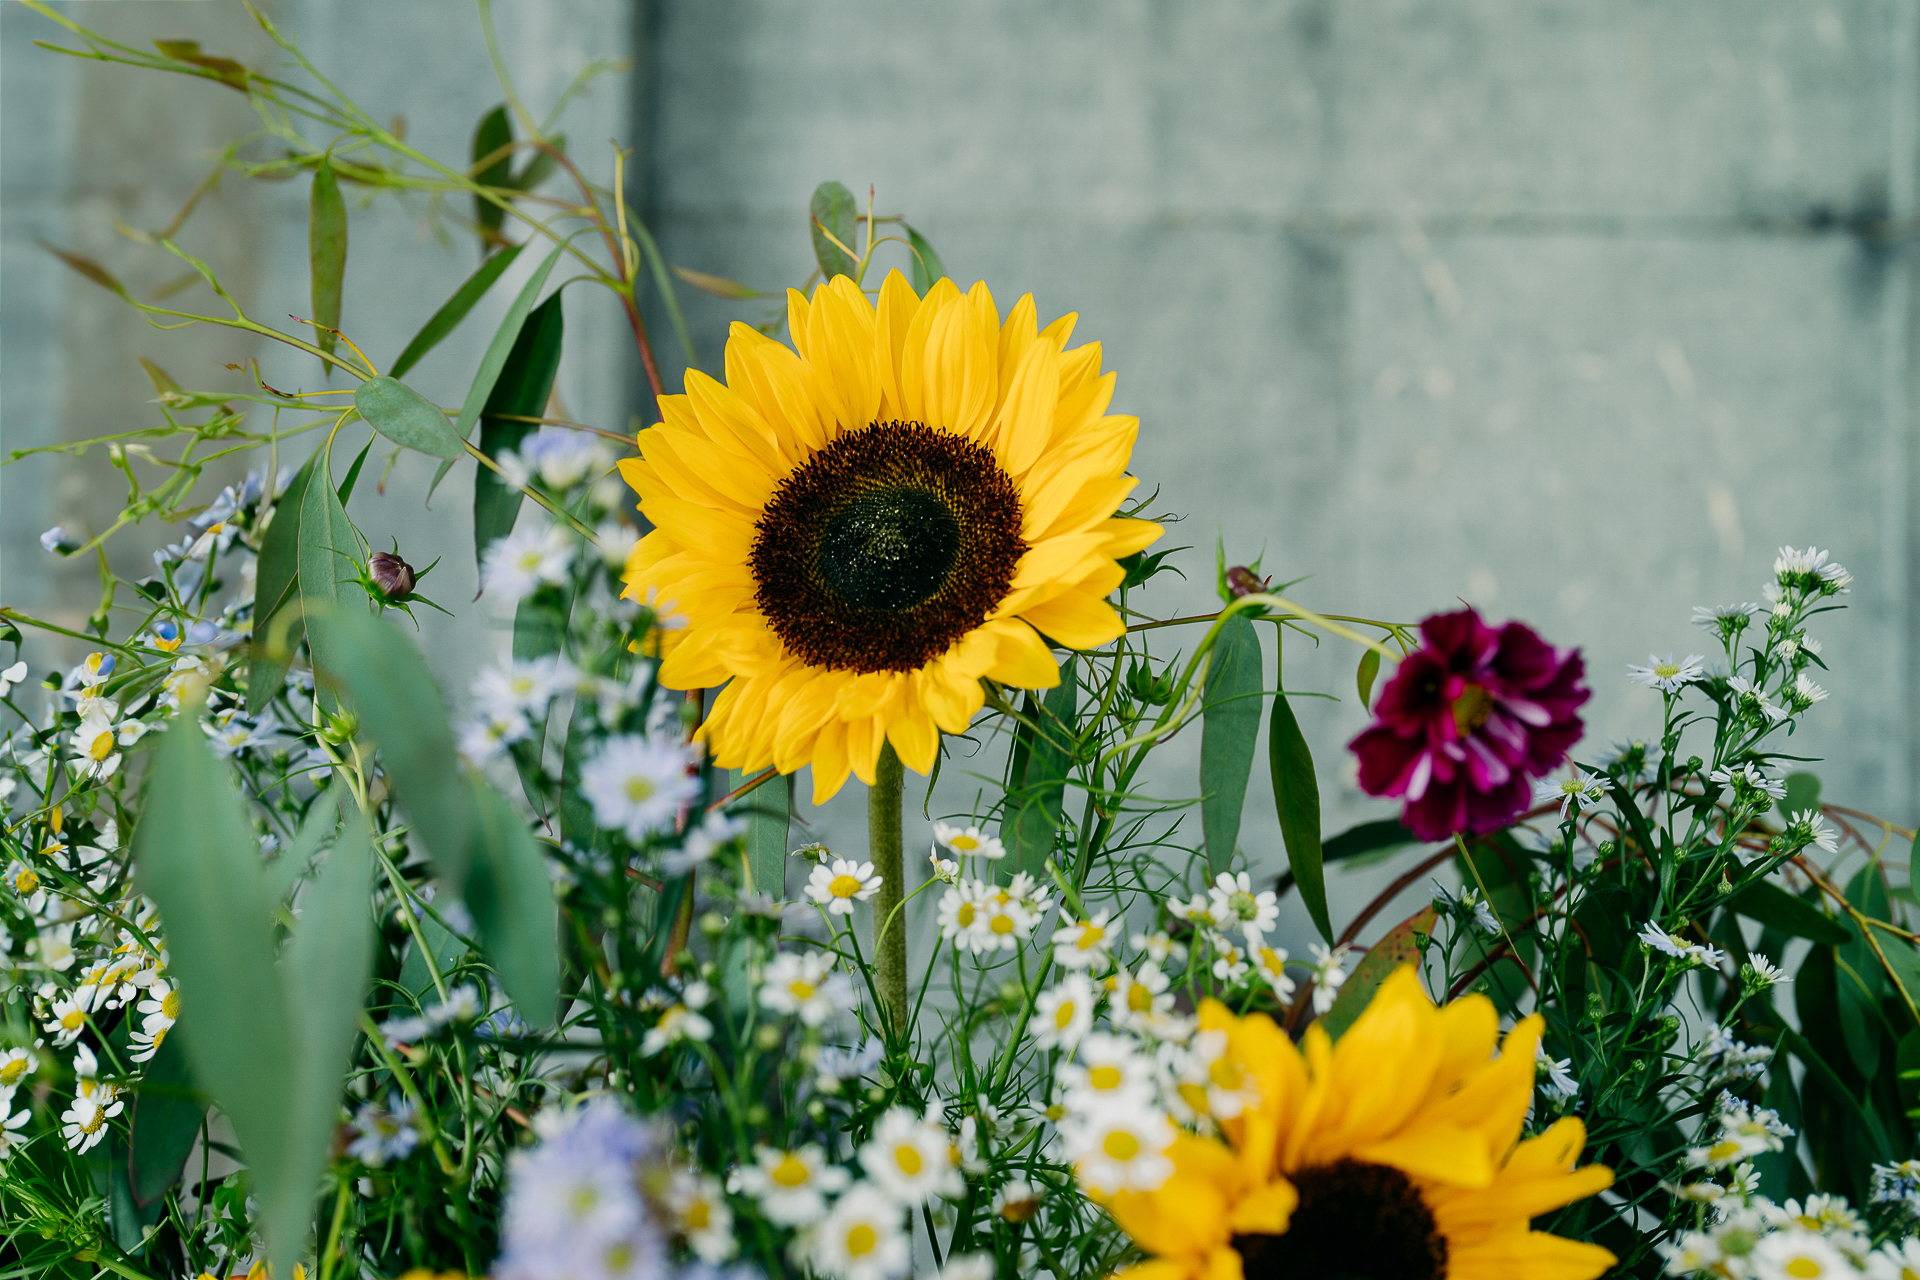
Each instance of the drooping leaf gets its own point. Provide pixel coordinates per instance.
(1777, 909)
(1033, 804)
(329, 556)
(1296, 797)
(1365, 675)
(128, 1217)
(1230, 730)
(768, 812)
(326, 252)
(88, 268)
(494, 132)
(407, 418)
(277, 581)
(511, 898)
(522, 390)
(325, 973)
(834, 217)
(718, 286)
(1400, 946)
(353, 472)
(194, 856)
(399, 708)
(455, 309)
(163, 1121)
(928, 270)
(1361, 845)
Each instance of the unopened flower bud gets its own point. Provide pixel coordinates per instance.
(1242, 581)
(340, 728)
(391, 574)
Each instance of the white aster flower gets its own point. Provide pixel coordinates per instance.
(638, 784)
(384, 1133)
(1726, 618)
(969, 842)
(806, 985)
(911, 1159)
(1064, 1014)
(839, 886)
(791, 1186)
(1328, 974)
(1809, 569)
(1232, 901)
(861, 1239)
(520, 563)
(1667, 675)
(1559, 1082)
(522, 687)
(1746, 693)
(1760, 973)
(1572, 793)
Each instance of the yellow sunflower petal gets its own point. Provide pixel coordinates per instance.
(1078, 619)
(1533, 1254)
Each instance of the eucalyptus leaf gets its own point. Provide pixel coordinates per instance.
(446, 948)
(1230, 731)
(511, 898)
(501, 347)
(407, 418)
(522, 390)
(1401, 945)
(328, 556)
(399, 708)
(1038, 787)
(928, 270)
(494, 131)
(834, 217)
(768, 813)
(326, 252)
(162, 1122)
(353, 472)
(1365, 675)
(276, 581)
(454, 309)
(323, 817)
(1296, 797)
(1775, 908)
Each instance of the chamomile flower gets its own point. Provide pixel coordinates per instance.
(1667, 675)
(1271, 964)
(11, 1122)
(1328, 974)
(484, 738)
(1084, 944)
(1017, 1201)
(1229, 962)
(1110, 1071)
(1117, 1149)
(1140, 1000)
(960, 914)
(638, 784)
(1799, 1255)
(969, 842)
(861, 1238)
(701, 1215)
(1232, 901)
(1064, 1014)
(1160, 947)
(805, 985)
(839, 886)
(945, 870)
(911, 1159)
(27, 886)
(680, 1021)
(521, 562)
(1006, 918)
(521, 687)
(84, 1123)
(791, 1187)
(95, 744)
(65, 1020)
(16, 1065)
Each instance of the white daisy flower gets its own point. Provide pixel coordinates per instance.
(969, 842)
(701, 1215)
(1799, 1255)
(94, 742)
(1667, 675)
(11, 1122)
(12, 676)
(520, 563)
(945, 870)
(1110, 1070)
(1328, 974)
(1064, 1014)
(1271, 964)
(911, 1159)
(1139, 999)
(1160, 947)
(680, 1021)
(25, 882)
(1017, 1201)
(960, 914)
(1117, 1149)
(1006, 918)
(861, 1238)
(638, 784)
(84, 1123)
(615, 541)
(521, 687)
(1083, 944)
(839, 886)
(16, 1065)
(1232, 901)
(66, 1019)
(791, 1186)
(1230, 963)
(1573, 793)
(805, 985)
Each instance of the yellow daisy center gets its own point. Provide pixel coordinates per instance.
(1120, 1145)
(861, 1240)
(639, 788)
(790, 1172)
(26, 882)
(908, 1158)
(844, 886)
(964, 844)
(1090, 935)
(1001, 924)
(1104, 1077)
(699, 1214)
(1063, 1016)
(11, 1073)
(170, 1004)
(965, 915)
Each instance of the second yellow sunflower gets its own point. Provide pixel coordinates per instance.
(855, 532)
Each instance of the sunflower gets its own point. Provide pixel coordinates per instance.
(851, 538)
(1398, 1148)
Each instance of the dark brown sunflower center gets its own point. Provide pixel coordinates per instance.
(884, 548)
(1354, 1222)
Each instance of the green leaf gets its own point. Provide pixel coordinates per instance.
(325, 973)
(1905, 963)
(1364, 677)
(1363, 845)
(326, 252)
(496, 357)
(494, 131)
(399, 707)
(194, 856)
(1296, 796)
(276, 581)
(323, 816)
(455, 309)
(768, 812)
(1803, 793)
(928, 270)
(1859, 978)
(1868, 1124)
(524, 385)
(718, 286)
(833, 211)
(1401, 946)
(447, 949)
(329, 554)
(353, 472)
(1033, 803)
(1777, 909)
(1230, 730)
(541, 166)
(511, 898)
(407, 418)
(1777, 1168)
(163, 1122)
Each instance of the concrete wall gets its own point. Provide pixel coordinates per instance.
(1575, 311)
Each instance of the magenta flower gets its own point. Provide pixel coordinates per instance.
(1466, 723)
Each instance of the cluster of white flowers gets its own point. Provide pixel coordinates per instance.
(980, 917)
(805, 985)
(1746, 1236)
(462, 1006)
(1574, 793)
(1738, 1130)
(1897, 1183)
(1725, 1060)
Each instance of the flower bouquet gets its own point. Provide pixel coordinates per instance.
(551, 983)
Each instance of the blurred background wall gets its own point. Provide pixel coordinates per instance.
(1572, 311)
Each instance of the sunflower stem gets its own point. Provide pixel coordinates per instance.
(883, 846)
